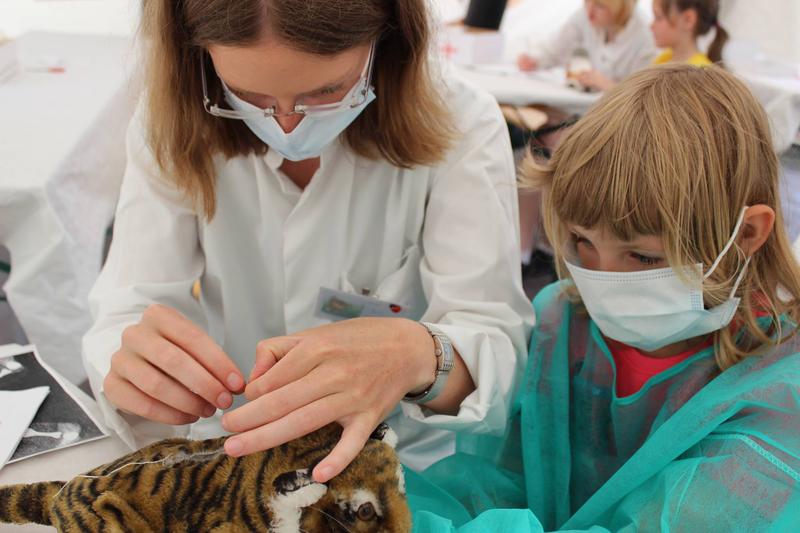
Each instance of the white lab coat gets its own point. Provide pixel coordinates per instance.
(442, 239)
(631, 50)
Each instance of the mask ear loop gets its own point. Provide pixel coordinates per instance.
(740, 277)
(725, 250)
(730, 243)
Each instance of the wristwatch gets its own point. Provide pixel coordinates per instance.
(443, 350)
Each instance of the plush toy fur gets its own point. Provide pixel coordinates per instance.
(183, 485)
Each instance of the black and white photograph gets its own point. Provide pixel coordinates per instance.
(61, 420)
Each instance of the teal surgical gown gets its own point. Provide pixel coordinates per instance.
(695, 450)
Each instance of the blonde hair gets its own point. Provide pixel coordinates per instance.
(408, 125)
(623, 9)
(677, 152)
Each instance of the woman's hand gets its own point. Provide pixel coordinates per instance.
(169, 370)
(592, 79)
(527, 63)
(352, 372)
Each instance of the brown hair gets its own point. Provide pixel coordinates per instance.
(408, 125)
(707, 19)
(677, 152)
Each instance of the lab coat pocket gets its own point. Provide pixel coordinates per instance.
(404, 286)
(400, 288)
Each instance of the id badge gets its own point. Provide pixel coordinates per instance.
(339, 305)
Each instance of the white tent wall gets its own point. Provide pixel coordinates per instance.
(773, 26)
(116, 17)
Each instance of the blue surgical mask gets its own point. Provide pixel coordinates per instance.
(312, 134)
(650, 309)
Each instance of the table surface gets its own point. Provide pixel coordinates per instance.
(780, 96)
(510, 86)
(44, 113)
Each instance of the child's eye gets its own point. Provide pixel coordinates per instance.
(646, 260)
(577, 239)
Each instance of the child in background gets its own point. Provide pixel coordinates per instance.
(612, 32)
(612, 37)
(662, 390)
(678, 23)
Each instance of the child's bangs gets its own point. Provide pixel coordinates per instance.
(611, 189)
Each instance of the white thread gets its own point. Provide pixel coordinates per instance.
(109, 474)
(168, 461)
(171, 460)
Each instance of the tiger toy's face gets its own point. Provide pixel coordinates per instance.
(368, 497)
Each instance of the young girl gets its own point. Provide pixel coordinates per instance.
(662, 391)
(612, 32)
(678, 23)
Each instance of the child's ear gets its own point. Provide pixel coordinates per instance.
(688, 19)
(759, 221)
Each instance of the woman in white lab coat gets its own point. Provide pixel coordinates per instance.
(304, 164)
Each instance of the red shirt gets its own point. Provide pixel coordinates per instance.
(634, 368)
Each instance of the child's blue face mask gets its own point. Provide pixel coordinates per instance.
(651, 309)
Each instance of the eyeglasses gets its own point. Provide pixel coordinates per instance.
(355, 97)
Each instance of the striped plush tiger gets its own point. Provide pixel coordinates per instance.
(184, 485)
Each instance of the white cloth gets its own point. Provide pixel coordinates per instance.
(780, 96)
(62, 157)
(631, 50)
(443, 240)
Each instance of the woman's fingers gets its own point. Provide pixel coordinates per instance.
(169, 370)
(297, 424)
(180, 366)
(286, 359)
(159, 386)
(190, 338)
(305, 420)
(269, 352)
(354, 436)
(126, 397)
(276, 404)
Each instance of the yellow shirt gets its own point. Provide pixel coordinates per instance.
(698, 60)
